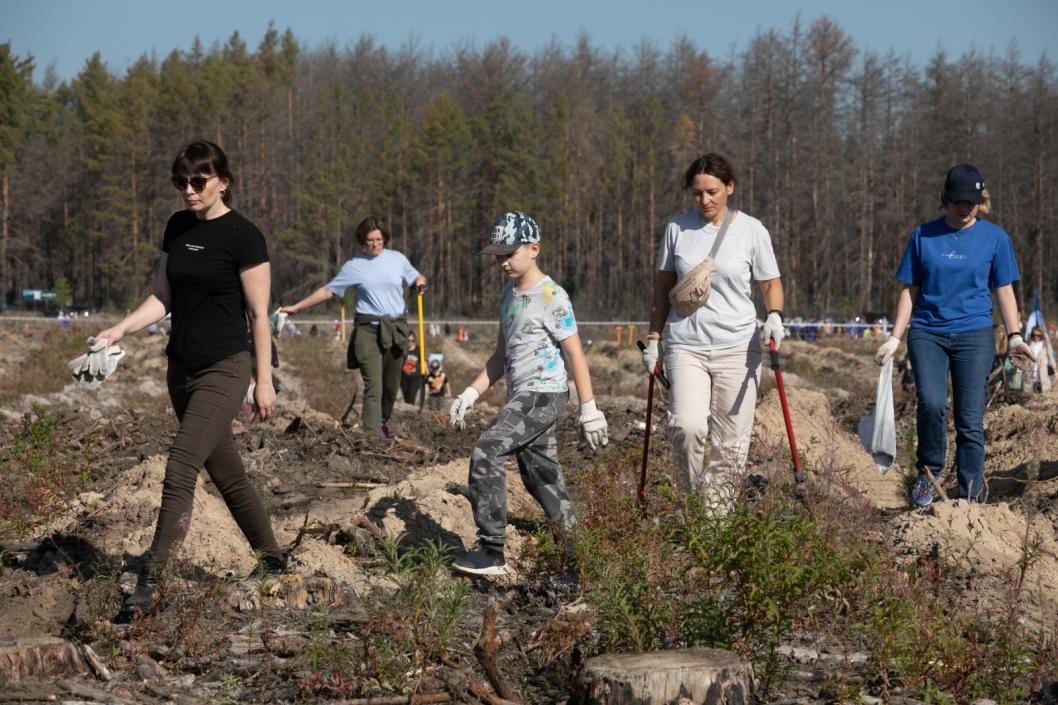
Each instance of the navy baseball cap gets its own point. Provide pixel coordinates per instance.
(964, 183)
(510, 231)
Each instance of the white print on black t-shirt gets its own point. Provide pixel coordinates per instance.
(194, 248)
(953, 255)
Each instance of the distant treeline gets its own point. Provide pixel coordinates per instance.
(839, 151)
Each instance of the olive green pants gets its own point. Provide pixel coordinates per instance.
(206, 401)
(380, 370)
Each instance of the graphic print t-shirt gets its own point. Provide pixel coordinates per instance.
(534, 322)
(208, 306)
(956, 271)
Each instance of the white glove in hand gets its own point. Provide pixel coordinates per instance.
(460, 406)
(1020, 353)
(886, 350)
(592, 423)
(650, 355)
(277, 320)
(773, 330)
(80, 365)
(101, 361)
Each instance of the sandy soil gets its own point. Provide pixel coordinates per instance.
(419, 481)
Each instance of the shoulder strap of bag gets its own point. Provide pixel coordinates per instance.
(728, 217)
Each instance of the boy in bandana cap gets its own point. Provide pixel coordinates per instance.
(536, 327)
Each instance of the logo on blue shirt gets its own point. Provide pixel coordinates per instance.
(953, 255)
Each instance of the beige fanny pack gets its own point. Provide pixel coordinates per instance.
(691, 292)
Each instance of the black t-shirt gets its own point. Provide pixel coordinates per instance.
(208, 306)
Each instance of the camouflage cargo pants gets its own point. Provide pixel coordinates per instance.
(525, 428)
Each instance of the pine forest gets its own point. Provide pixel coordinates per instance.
(839, 151)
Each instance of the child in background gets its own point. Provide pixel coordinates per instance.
(410, 376)
(536, 327)
(437, 382)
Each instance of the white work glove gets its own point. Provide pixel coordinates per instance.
(773, 330)
(460, 406)
(277, 321)
(80, 365)
(1019, 351)
(592, 423)
(101, 361)
(650, 355)
(886, 350)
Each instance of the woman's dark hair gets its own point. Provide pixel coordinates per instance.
(712, 164)
(207, 159)
(371, 222)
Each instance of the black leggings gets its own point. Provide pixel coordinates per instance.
(206, 401)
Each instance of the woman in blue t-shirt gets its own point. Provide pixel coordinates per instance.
(378, 343)
(949, 269)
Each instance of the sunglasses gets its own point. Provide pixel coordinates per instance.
(197, 182)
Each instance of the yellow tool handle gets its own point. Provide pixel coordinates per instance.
(422, 341)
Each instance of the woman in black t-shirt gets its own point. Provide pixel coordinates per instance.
(213, 275)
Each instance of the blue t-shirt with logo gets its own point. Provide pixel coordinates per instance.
(956, 271)
(379, 282)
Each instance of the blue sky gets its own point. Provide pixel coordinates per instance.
(66, 32)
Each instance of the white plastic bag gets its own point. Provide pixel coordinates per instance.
(878, 432)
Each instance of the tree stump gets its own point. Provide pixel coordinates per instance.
(703, 676)
(44, 658)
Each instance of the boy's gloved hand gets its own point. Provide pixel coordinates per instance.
(460, 406)
(886, 350)
(650, 355)
(773, 330)
(593, 428)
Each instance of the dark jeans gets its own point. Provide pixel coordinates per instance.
(206, 401)
(968, 358)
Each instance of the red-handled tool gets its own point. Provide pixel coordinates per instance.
(660, 375)
(798, 475)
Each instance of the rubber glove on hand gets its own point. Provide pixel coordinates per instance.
(460, 406)
(592, 423)
(886, 350)
(650, 355)
(773, 330)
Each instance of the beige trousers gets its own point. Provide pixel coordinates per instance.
(714, 393)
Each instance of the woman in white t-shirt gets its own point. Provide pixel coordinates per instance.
(713, 354)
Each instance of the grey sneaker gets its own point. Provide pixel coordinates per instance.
(481, 561)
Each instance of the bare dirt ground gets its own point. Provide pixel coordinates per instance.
(246, 638)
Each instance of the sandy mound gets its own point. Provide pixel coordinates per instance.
(989, 538)
(121, 521)
(827, 447)
(433, 503)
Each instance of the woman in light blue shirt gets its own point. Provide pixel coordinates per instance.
(380, 331)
